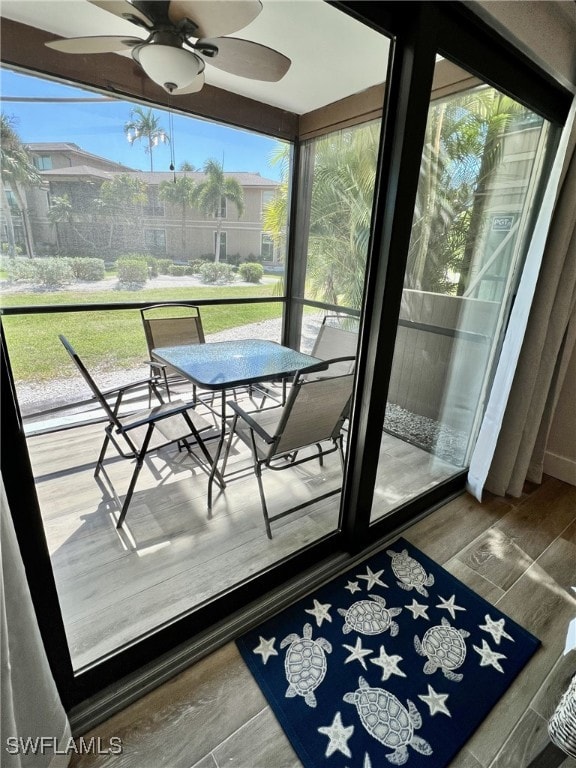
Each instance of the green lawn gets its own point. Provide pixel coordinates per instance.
(110, 340)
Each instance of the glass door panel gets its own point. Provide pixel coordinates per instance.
(476, 196)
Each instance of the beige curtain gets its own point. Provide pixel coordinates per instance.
(33, 724)
(546, 350)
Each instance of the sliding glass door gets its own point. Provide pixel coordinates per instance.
(479, 184)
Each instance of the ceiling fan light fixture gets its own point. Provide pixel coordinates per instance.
(171, 67)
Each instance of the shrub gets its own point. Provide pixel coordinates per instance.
(251, 272)
(53, 271)
(216, 273)
(19, 268)
(178, 270)
(163, 266)
(88, 269)
(132, 270)
(233, 258)
(196, 265)
(150, 261)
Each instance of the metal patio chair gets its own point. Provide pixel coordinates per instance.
(317, 405)
(137, 433)
(331, 341)
(171, 325)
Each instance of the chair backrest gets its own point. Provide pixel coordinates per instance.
(172, 325)
(89, 380)
(316, 407)
(334, 341)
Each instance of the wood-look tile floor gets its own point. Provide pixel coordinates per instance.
(520, 554)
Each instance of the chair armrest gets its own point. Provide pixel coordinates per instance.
(126, 387)
(160, 412)
(156, 364)
(251, 422)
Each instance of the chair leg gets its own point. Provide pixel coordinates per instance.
(340, 451)
(130, 491)
(139, 461)
(205, 451)
(102, 454)
(258, 473)
(229, 445)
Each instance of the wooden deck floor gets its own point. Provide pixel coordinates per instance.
(519, 554)
(114, 585)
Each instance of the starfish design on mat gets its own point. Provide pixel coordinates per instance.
(450, 605)
(357, 653)
(367, 762)
(338, 736)
(389, 664)
(266, 648)
(436, 702)
(372, 578)
(489, 658)
(496, 629)
(418, 610)
(320, 612)
(352, 587)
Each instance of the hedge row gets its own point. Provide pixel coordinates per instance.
(54, 271)
(133, 270)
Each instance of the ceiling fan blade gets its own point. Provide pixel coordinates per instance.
(193, 88)
(215, 17)
(122, 8)
(101, 44)
(247, 59)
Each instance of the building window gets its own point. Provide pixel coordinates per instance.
(267, 197)
(11, 198)
(43, 162)
(154, 206)
(266, 247)
(223, 208)
(222, 254)
(155, 240)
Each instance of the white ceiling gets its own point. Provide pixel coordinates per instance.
(332, 55)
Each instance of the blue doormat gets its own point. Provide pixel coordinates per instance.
(395, 662)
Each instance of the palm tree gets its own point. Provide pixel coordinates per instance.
(463, 149)
(179, 192)
(17, 170)
(275, 213)
(144, 124)
(211, 193)
(341, 208)
(121, 200)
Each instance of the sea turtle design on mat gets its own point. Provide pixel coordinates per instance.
(370, 617)
(409, 572)
(445, 648)
(388, 721)
(305, 664)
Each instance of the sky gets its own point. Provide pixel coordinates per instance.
(99, 128)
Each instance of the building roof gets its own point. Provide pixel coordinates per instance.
(69, 146)
(78, 171)
(244, 178)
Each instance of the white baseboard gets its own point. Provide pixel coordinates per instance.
(560, 467)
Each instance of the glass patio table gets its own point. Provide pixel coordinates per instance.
(222, 365)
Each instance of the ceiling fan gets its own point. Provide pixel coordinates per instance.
(184, 35)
